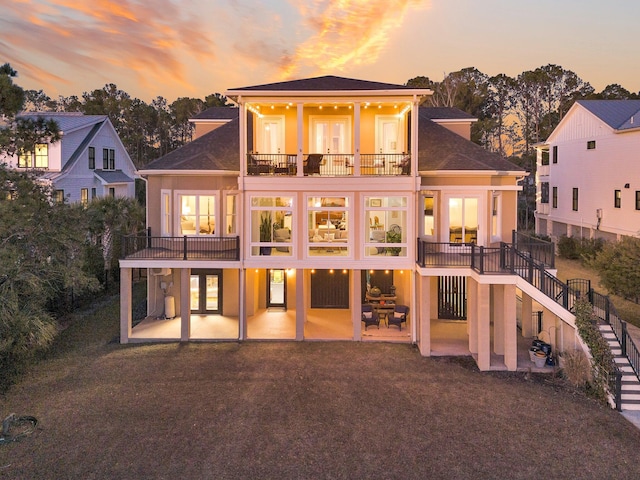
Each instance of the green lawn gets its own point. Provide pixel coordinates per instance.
(298, 410)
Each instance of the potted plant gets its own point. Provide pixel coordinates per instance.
(394, 236)
(266, 226)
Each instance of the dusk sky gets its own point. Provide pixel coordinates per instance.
(177, 48)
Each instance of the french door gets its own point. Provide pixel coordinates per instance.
(277, 288)
(206, 291)
(463, 219)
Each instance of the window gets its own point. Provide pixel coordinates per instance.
(58, 196)
(544, 159)
(544, 192)
(386, 226)
(328, 226)
(617, 198)
(330, 134)
(429, 219)
(92, 158)
(555, 154)
(574, 203)
(108, 159)
(197, 214)
(231, 214)
(112, 192)
(165, 223)
(637, 200)
(84, 196)
(271, 225)
(554, 197)
(94, 193)
(591, 145)
(495, 215)
(463, 220)
(37, 159)
(271, 134)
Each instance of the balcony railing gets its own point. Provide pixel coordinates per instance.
(144, 246)
(330, 164)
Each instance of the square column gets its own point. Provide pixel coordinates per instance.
(484, 327)
(242, 314)
(356, 295)
(497, 292)
(185, 305)
(527, 311)
(424, 316)
(125, 304)
(510, 327)
(301, 311)
(472, 314)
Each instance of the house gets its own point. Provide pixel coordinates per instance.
(89, 160)
(316, 196)
(587, 172)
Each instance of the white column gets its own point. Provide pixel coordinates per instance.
(300, 139)
(242, 313)
(125, 304)
(301, 312)
(484, 328)
(497, 292)
(472, 314)
(510, 327)
(185, 307)
(527, 311)
(414, 136)
(356, 138)
(424, 315)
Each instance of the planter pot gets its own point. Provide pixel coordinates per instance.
(265, 250)
(540, 359)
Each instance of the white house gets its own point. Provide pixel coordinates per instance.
(89, 161)
(588, 173)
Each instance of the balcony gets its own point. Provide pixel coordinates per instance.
(144, 246)
(329, 165)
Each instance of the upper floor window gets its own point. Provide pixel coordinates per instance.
(231, 214)
(429, 218)
(108, 159)
(495, 215)
(574, 202)
(330, 134)
(271, 225)
(36, 159)
(165, 221)
(617, 198)
(544, 192)
(197, 214)
(637, 200)
(554, 197)
(555, 154)
(544, 157)
(591, 145)
(92, 158)
(271, 134)
(385, 225)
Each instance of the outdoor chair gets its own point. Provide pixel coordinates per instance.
(399, 315)
(370, 316)
(312, 164)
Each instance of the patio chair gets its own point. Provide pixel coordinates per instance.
(312, 164)
(370, 316)
(400, 313)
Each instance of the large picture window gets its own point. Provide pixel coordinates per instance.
(429, 217)
(39, 158)
(385, 225)
(463, 220)
(197, 214)
(271, 225)
(231, 214)
(328, 225)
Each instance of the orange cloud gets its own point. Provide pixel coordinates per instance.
(347, 32)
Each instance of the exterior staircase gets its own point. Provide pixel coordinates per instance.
(630, 397)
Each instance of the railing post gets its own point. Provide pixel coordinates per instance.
(618, 390)
(513, 237)
(513, 259)
(184, 247)
(481, 259)
(237, 247)
(530, 262)
(623, 340)
(541, 271)
(148, 237)
(607, 311)
(565, 296)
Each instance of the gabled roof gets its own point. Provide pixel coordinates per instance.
(67, 121)
(441, 149)
(217, 113)
(327, 83)
(445, 113)
(618, 114)
(216, 150)
(82, 147)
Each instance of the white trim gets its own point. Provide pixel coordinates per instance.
(189, 172)
(165, 227)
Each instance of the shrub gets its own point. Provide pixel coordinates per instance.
(584, 249)
(576, 368)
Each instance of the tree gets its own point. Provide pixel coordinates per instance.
(614, 91)
(41, 259)
(11, 95)
(216, 100)
(618, 265)
(498, 105)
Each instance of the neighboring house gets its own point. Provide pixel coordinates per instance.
(89, 160)
(212, 118)
(588, 172)
(280, 223)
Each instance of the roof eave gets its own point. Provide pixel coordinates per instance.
(472, 173)
(188, 172)
(419, 92)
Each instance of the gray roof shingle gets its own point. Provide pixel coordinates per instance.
(67, 121)
(618, 114)
(326, 83)
(218, 113)
(113, 176)
(445, 113)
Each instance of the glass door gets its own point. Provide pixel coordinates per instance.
(206, 291)
(463, 220)
(277, 289)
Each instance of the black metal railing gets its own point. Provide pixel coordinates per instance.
(541, 250)
(372, 164)
(271, 164)
(145, 246)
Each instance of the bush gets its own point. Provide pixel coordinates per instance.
(618, 265)
(584, 249)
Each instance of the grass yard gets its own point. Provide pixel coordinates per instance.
(298, 410)
(568, 269)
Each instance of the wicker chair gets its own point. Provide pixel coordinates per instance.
(399, 315)
(369, 316)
